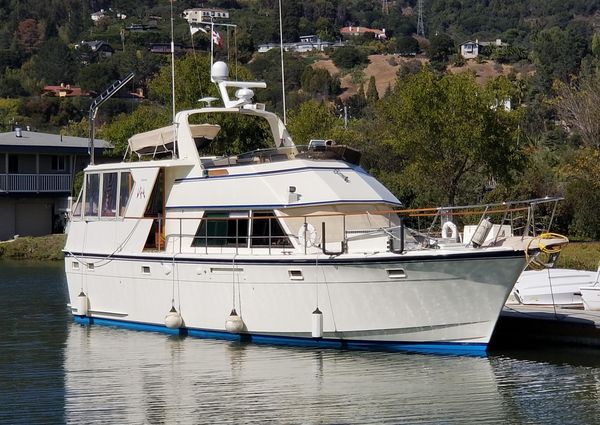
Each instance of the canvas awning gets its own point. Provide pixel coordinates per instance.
(161, 139)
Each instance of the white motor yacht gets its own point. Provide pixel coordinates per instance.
(287, 245)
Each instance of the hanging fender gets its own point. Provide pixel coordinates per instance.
(449, 226)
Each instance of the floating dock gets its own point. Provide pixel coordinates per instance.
(520, 324)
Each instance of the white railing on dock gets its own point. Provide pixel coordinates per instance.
(35, 183)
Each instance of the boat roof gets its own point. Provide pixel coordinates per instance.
(161, 139)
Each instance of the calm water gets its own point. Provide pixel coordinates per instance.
(54, 371)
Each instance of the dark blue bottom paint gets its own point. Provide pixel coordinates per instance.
(461, 349)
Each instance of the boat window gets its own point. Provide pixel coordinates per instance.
(267, 231)
(92, 193)
(126, 185)
(222, 229)
(109, 195)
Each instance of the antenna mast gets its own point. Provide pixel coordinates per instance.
(420, 25)
(282, 69)
(173, 83)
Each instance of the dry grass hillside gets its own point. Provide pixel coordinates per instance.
(385, 67)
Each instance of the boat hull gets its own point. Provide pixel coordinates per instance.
(551, 287)
(436, 303)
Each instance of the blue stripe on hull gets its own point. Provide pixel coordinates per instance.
(448, 348)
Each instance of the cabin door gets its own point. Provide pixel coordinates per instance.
(155, 209)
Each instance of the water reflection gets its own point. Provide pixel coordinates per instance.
(114, 375)
(55, 371)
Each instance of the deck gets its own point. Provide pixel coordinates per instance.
(520, 324)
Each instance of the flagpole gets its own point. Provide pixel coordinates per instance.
(173, 83)
(282, 69)
(212, 43)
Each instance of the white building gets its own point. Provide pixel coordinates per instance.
(472, 49)
(204, 15)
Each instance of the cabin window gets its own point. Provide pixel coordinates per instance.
(223, 229)
(124, 191)
(231, 229)
(92, 194)
(109, 195)
(267, 231)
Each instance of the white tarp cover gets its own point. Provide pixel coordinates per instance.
(154, 140)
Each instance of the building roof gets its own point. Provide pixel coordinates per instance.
(63, 90)
(33, 141)
(361, 30)
(96, 45)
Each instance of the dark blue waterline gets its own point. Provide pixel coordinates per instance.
(446, 348)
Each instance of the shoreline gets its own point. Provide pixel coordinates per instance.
(40, 248)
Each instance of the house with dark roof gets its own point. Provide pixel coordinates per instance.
(100, 47)
(36, 180)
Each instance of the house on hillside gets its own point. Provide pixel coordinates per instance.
(102, 48)
(202, 14)
(307, 43)
(163, 48)
(63, 90)
(97, 16)
(356, 31)
(472, 49)
(36, 179)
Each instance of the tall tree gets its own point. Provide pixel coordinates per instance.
(449, 135)
(578, 106)
(372, 95)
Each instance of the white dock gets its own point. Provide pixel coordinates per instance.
(525, 323)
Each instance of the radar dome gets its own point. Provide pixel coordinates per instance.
(220, 72)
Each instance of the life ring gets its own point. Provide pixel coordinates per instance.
(307, 235)
(449, 226)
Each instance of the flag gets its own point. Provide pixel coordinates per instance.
(216, 38)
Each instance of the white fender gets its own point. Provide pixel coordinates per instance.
(449, 226)
(308, 234)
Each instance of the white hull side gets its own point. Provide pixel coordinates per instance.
(440, 298)
(551, 286)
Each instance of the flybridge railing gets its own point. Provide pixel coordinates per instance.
(336, 233)
(35, 183)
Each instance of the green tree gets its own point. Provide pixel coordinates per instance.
(312, 120)
(53, 64)
(448, 137)
(348, 57)
(406, 46)
(557, 54)
(441, 47)
(372, 95)
(578, 105)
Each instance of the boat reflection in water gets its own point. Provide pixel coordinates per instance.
(118, 376)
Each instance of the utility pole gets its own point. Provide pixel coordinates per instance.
(420, 25)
